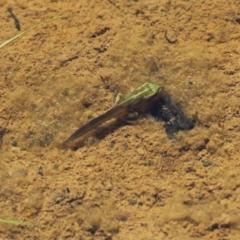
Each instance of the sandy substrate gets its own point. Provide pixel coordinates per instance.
(128, 181)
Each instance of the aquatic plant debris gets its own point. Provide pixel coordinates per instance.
(17, 222)
(31, 28)
(16, 21)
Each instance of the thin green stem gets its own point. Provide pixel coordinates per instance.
(17, 222)
(29, 29)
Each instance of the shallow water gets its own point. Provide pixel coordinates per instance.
(132, 180)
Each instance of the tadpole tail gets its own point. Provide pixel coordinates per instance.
(93, 124)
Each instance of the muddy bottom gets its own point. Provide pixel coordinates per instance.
(120, 181)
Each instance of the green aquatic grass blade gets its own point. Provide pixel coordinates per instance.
(29, 29)
(17, 222)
